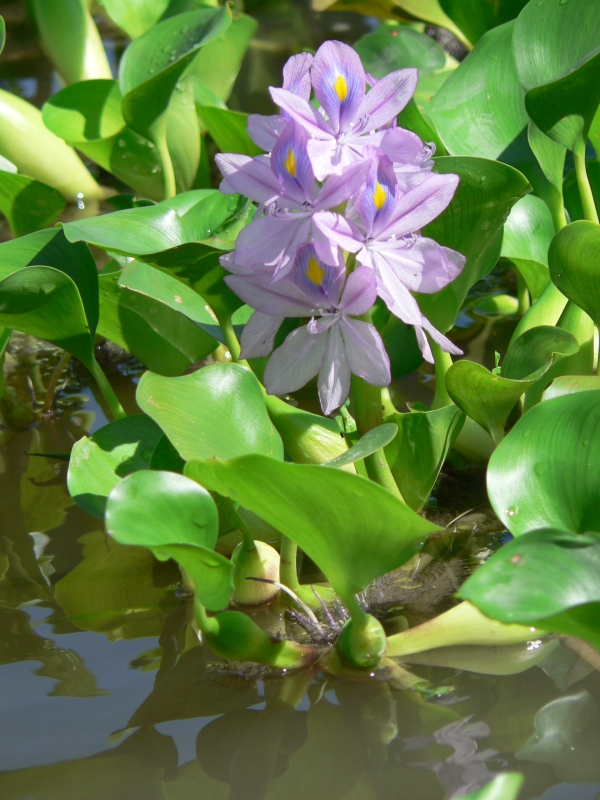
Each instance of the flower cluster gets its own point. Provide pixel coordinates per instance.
(338, 179)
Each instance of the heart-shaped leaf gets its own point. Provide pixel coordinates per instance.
(164, 339)
(487, 398)
(480, 109)
(99, 462)
(71, 38)
(353, 529)
(396, 47)
(418, 452)
(38, 153)
(28, 205)
(135, 515)
(528, 232)
(544, 473)
(573, 258)
(475, 17)
(548, 578)
(216, 412)
(555, 45)
(153, 64)
(472, 224)
(368, 444)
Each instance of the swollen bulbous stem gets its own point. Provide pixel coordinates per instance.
(442, 363)
(461, 625)
(362, 642)
(256, 573)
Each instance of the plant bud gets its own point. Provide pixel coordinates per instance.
(362, 642)
(262, 561)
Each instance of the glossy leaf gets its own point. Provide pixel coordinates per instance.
(99, 462)
(153, 64)
(544, 474)
(573, 257)
(162, 338)
(228, 130)
(418, 452)
(555, 46)
(216, 412)
(505, 786)
(85, 112)
(472, 224)
(38, 153)
(476, 17)
(183, 135)
(165, 457)
(528, 232)
(393, 47)
(135, 515)
(136, 17)
(71, 39)
(571, 384)
(480, 109)
(368, 444)
(571, 190)
(28, 205)
(547, 578)
(2, 34)
(487, 398)
(353, 529)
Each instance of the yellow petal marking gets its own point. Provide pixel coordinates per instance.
(379, 196)
(341, 87)
(314, 272)
(290, 163)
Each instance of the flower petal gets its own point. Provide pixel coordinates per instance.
(405, 147)
(338, 79)
(420, 205)
(340, 230)
(334, 375)
(264, 131)
(296, 75)
(420, 263)
(251, 177)
(387, 98)
(259, 334)
(360, 292)
(365, 351)
(291, 164)
(376, 201)
(282, 298)
(301, 111)
(319, 281)
(272, 241)
(295, 362)
(338, 188)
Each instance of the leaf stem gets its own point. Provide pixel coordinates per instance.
(522, 295)
(116, 409)
(167, 163)
(443, 362)
(583, 183)
(231, 339)
(53, 383)
(288, 573)
(4, 340)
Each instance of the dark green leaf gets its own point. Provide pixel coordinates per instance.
(228, 130)
(573, 257)
(28, 205)
(216, 412)
(418, 452)
(353, 529)
(135, 515)
(544, 474)
(534, 350)
(393, 47)
(99, 462)
(165, 457)
(476, 17)
(571, 190)
(183, 135)
(528, 232)
(2, 33)
(547, 578)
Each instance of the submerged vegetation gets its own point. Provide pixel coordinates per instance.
(271, 279)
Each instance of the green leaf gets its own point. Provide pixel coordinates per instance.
(393, 47)
(165, 340)
(99, 462)
(472, 224)
(573, 257)
(183, 135)
(71, 38)
(353, 529)
(547, 578)
(480, 109)
(528, 232)
(165, 457)
(370, 443)
(85, 112)
(487, 398)
(571, 384)
(216, 412)
(135, 17)
(571, 190)
(38, 153)
(555, 46)
(476, 17)
(2, 33)
(135, 515)
(153, 64)
(228, 130)
(504, 787)
(418, 452)
(544, 474)
(28, 205)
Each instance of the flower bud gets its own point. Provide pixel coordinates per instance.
(260, 561)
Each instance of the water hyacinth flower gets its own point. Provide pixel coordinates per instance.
(333, 345)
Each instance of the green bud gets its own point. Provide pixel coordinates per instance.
(259, 561)
(362, 642)
(234, 636)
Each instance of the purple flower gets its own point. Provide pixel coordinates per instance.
(349, 118)
(284, 184)
(333, 345)
(381, 231)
